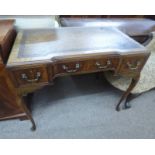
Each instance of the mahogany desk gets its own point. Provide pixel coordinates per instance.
(39, 56)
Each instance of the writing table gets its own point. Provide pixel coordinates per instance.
(39, 56)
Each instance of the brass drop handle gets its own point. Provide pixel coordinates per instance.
(24, 77)
(100, 66)
(133, 66)
(77, 66)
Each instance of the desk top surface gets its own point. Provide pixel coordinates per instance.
(49, 44)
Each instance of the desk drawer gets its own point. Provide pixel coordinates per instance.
(68, 67)
(132, 64)
(87, 65)
(102, 64)
(30, 76)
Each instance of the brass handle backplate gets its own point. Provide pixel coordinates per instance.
(133, 66)
(66, 68)
(25, 77)
(100, 66)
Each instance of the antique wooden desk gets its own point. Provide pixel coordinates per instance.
(39, 56)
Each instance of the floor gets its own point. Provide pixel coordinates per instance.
(82, 107)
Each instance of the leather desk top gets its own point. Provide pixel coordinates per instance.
(49, 44)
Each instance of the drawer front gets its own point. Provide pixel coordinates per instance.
(132, 65)
(30, 76)
(101, 64)
(68, 67)
(88, 65)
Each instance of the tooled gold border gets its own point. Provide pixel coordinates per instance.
(15, 51)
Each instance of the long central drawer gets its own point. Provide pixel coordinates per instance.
(87, 65)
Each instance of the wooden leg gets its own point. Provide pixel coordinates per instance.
(130, 88)
(28, 115)
(28, 99)
(130, 97)
(127, 105)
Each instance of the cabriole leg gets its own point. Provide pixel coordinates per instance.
(125, 95)
(28, 115)
(129, 98)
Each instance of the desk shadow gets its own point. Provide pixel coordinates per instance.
(73, 86)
